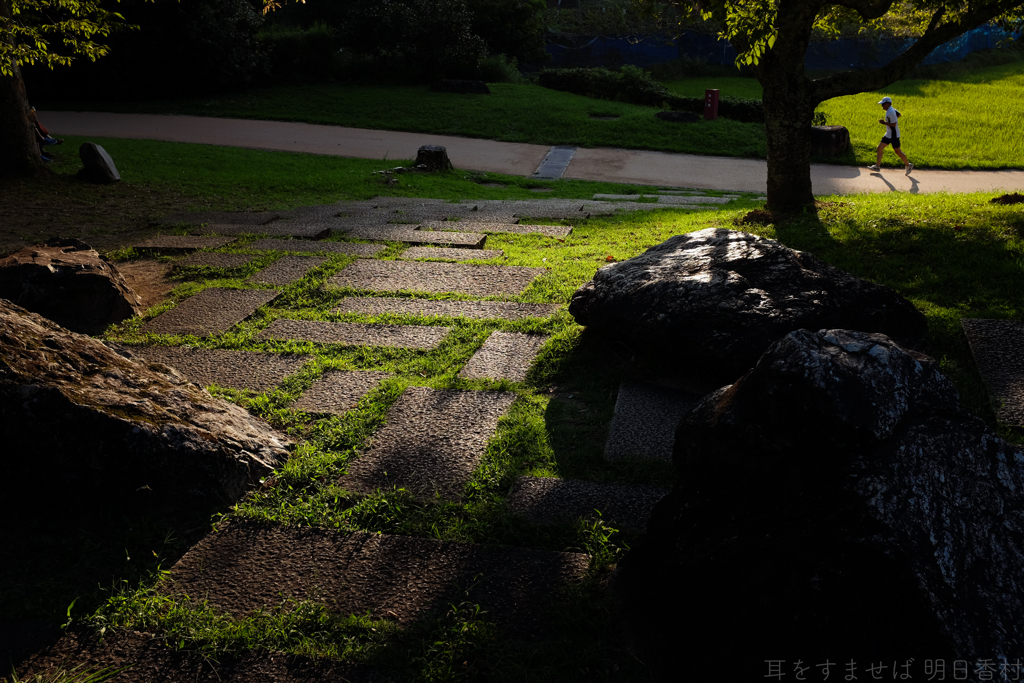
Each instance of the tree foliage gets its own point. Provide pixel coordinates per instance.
(53, 32)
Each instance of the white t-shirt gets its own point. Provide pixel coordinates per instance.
(890, 117)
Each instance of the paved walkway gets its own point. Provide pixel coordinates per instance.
(612, 165)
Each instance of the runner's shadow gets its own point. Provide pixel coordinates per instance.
(878, 174)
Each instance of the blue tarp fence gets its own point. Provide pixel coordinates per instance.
(833, 54)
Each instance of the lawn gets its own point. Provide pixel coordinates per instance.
(968, 121)
(953, 256)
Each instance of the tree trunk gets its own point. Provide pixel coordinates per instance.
(788, 110)
(19, 151)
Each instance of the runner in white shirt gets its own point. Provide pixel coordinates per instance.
(892, 136)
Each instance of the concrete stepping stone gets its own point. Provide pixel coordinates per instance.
(222, 217)
(212, 311)
(510, 228)
(645, 421)
(286, 270)
(505, 355)
(451, 254)
(477, 310)
(431, 443)
(424, 276)
(215, 260)
(225, 367)
(355, 334)
(544, 500)
(178, 243)
(247, 566)
(316, 247)
(633, 197)
(314, 231)
(339, 391)
(662, 199)
(407, 233)
(998, 350)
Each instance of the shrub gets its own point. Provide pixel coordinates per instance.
(511, 27)
(500, 69)
(299, 55)
(422, 39)
(628, 84)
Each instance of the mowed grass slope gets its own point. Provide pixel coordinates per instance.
(970, 121)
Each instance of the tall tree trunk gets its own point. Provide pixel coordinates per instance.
(789, 108)
(19, 151)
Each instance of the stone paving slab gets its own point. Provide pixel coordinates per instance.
(338, 391)
(211, 311)
(998, 349)
(313, 231)
(618, 196)
(248, 566)
(316, 247)
(223, 217)
(182, 243)
(562, 501)
(505, 355)
(511, 228)
(453, 254)
(225, 367)
(431, 443)
(478, 310)
(286, 270)
(356, 334)
(425, 276)
(645, 421)
(408, 234)
(693, 200)
(215, 260)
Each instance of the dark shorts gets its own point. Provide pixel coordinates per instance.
(895, 142)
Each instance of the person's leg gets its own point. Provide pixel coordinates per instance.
(877, 166)
(896, 147)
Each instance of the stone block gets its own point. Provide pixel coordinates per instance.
(355, 334)
(225, 367)
(563, 501)
(504, 310)
(645, 421)
(212, 311)
(286, 270)
(338, 391)
(463, 278)
(505, 355)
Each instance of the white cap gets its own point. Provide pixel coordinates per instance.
(885, 100)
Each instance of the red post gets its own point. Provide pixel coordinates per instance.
(711, 104)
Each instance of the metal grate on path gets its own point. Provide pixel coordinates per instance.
(555, 163)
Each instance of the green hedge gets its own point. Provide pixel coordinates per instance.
(634, 85)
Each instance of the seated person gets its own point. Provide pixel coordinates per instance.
(43, 136)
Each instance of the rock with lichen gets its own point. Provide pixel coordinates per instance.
(78, 417)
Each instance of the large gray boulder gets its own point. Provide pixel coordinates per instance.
(67, 281)
(711, 302)
(97, 166)
(80, 419)
(836, 495)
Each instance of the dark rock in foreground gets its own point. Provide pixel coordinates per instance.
(711, 302)
(81, 420)
(68, 282)
(835, 498)
(97, 166)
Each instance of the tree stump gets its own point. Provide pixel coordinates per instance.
(433, 158)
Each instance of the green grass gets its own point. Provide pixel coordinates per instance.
(953, 256)
(969, 120)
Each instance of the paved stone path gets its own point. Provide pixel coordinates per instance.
(355, 334)
(225, 367)
(278, 229)
(286, 270)
(452, 254)
(645, 421)
(505, 355)
(998, 349)
(436, 278)
(215, 260)
(468, 240)
(172, 243)
(545, 500)
(481, 310)
(249, 566)
(309, 246)
(338, 391)
(431, 443)
(212, 311)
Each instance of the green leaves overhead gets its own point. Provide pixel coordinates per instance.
(53, 32)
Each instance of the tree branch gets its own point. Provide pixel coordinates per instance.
(868, 9)
(852, 82)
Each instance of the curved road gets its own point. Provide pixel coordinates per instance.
(612, 165)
